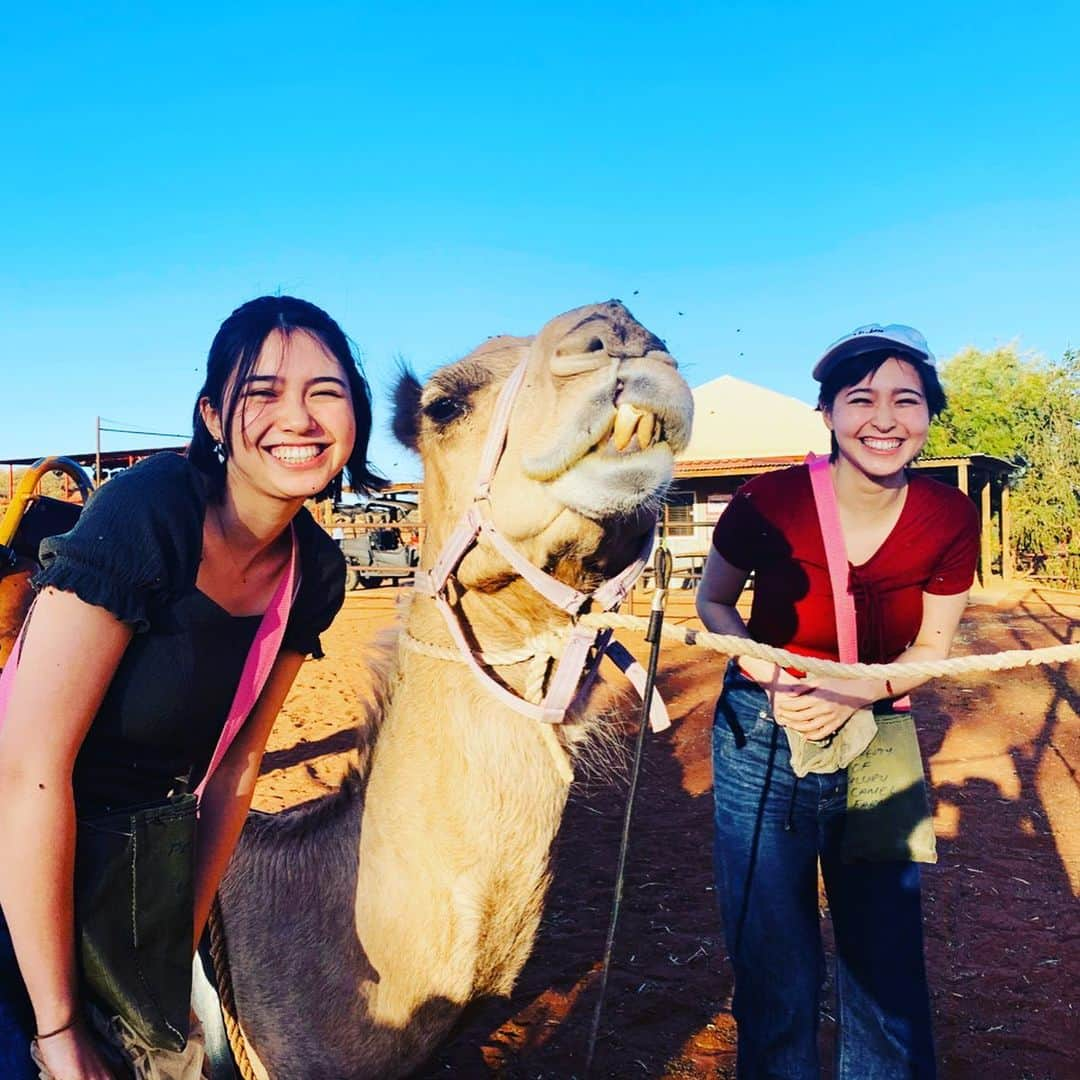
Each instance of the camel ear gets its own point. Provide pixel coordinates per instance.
(407, 408)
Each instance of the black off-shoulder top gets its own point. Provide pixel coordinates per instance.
(135, 551)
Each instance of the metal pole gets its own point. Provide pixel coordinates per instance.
(97, 456)
(661, 579)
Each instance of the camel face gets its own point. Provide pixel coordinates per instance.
(589, 449)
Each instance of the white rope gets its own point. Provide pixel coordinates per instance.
(544, 645)
(733, 645)
(547, 645)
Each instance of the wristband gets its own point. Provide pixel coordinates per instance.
(56, 1031)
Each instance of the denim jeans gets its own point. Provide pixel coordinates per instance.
(16, 1016)
(771, 830)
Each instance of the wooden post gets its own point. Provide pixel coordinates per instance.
(986, 524)
(1006, 532)
(962, 476)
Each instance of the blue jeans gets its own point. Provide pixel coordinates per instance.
(771, 830)
(16, 1016)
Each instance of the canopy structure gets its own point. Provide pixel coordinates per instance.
(98, 465)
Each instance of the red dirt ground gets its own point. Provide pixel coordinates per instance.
(1002, 922)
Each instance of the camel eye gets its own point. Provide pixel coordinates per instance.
(445, 410)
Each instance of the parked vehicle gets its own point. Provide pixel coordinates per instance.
(379, 538)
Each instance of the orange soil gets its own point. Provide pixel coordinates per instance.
(1002, 923)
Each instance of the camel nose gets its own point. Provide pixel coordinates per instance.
(601, 337)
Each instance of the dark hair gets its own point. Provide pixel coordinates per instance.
(852, 371)
(233, 353)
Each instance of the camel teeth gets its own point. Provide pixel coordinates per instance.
(646, 426)
(630, 421)
(626, 421)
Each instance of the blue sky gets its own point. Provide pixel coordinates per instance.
(751, 179)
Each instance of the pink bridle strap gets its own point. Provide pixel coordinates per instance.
(563, 689)
(500, 428)
(584, 647)
(620, 656)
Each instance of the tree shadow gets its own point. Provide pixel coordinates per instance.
(339, 742)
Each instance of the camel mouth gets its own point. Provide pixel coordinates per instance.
(621, 462)
(620, 458)
(607, 430)
(612, 452)
(604, 485)
(630, 423)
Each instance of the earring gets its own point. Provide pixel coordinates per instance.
(220, 452)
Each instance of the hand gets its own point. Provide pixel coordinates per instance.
(75, 1055)
(817, 707)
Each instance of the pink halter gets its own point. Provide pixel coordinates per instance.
(576, 669)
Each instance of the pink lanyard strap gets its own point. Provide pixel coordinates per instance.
(260, 659)
(847, 640)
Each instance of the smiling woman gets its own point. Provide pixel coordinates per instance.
(910, 546)
(278, 363)
(144, 620)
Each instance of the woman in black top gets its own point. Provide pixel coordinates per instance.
(145, 614)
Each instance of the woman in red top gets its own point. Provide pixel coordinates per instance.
(912, 545)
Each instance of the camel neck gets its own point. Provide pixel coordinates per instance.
(503, 628)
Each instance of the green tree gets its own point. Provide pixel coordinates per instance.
(1027, 411)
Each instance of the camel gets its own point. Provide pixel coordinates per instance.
(359, 926)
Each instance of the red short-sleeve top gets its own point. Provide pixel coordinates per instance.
(771, 528)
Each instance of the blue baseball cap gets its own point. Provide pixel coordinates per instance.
(874, 337)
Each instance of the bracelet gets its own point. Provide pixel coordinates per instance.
(49, 1034)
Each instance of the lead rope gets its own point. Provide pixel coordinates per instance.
(662, 567)
(733, 645)
(219, 956)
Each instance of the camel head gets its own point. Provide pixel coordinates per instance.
(589, 448)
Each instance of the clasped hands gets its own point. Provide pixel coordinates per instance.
(816, 707)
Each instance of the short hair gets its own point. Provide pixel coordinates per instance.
(852, 371)
(233, 354)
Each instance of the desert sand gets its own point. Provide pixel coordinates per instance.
(1002, 919)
